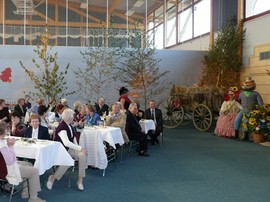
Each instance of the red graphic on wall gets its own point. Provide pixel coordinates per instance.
(5, 75)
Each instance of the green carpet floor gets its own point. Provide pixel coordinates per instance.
(190, 166)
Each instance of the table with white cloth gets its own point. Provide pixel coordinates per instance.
(147, 124)
(46, 153)
(92, 140)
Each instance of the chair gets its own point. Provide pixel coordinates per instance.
(160, 138)
(133, 143)
(111, 155)
(72, 169)
(3, 180)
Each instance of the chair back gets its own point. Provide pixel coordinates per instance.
(3, 167)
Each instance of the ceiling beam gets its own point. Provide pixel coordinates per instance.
(113, 6)
(43, 16)
(83, 14)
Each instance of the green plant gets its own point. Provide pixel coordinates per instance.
(141, 71)
(257, 120)
(99, 73)
(50, 82)
(223, 61)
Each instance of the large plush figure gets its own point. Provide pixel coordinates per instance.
(248, 99)
(228, 112)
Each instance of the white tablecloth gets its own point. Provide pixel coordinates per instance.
(46, 154)
(92, 140)
(147, 124)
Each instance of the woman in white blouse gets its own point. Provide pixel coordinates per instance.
(64, 133)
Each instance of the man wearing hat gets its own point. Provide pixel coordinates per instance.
(248, 99)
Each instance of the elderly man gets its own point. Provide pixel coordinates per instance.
(101, 107)
(156, 115)
(117, 119)
(64, 133)
(134, 130)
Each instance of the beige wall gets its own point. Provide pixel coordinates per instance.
(257, 69)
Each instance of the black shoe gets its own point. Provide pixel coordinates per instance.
(157, 141)
(152, 142)
(144, 154)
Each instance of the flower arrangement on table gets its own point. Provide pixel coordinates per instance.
(257, 120)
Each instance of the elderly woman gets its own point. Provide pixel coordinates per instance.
(27, 102)
(20, 108)
(42, 112)
(117, 119)
(77, 108)
(17, 128)
(58, 112)
(52, 105)
(92, 117)
(4, 113)
(25, 170)
(35, 130)
(64, 133)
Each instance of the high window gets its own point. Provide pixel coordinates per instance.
(256, 7)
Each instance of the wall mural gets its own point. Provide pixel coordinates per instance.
(5, 75)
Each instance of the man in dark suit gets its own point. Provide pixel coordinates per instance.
(101, 107)
(36, 130)
(134, 130)
(156, 115)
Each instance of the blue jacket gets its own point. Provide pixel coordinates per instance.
(92, 120)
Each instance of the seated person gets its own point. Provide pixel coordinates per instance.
(4, 112)
(17, 128)
(156, 115)
(52, 105)
(64, 133)
(101, 108)
(20, 108)
(81, 115)
(42, 112)
(58, 112)
(25, 170)
(77, 108)
(134, 130)
(140, 114)
(117, 119)
(92, 117)
(40, 101)
(227, 114)
(64, 102)
(36, 130)
(27, 102)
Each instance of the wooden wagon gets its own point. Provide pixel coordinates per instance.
(191, 104)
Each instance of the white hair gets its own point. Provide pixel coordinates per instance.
(63, 100)
(67, 114)
(132, 105)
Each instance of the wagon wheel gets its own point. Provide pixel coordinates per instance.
(202, 117)
(172, 116)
